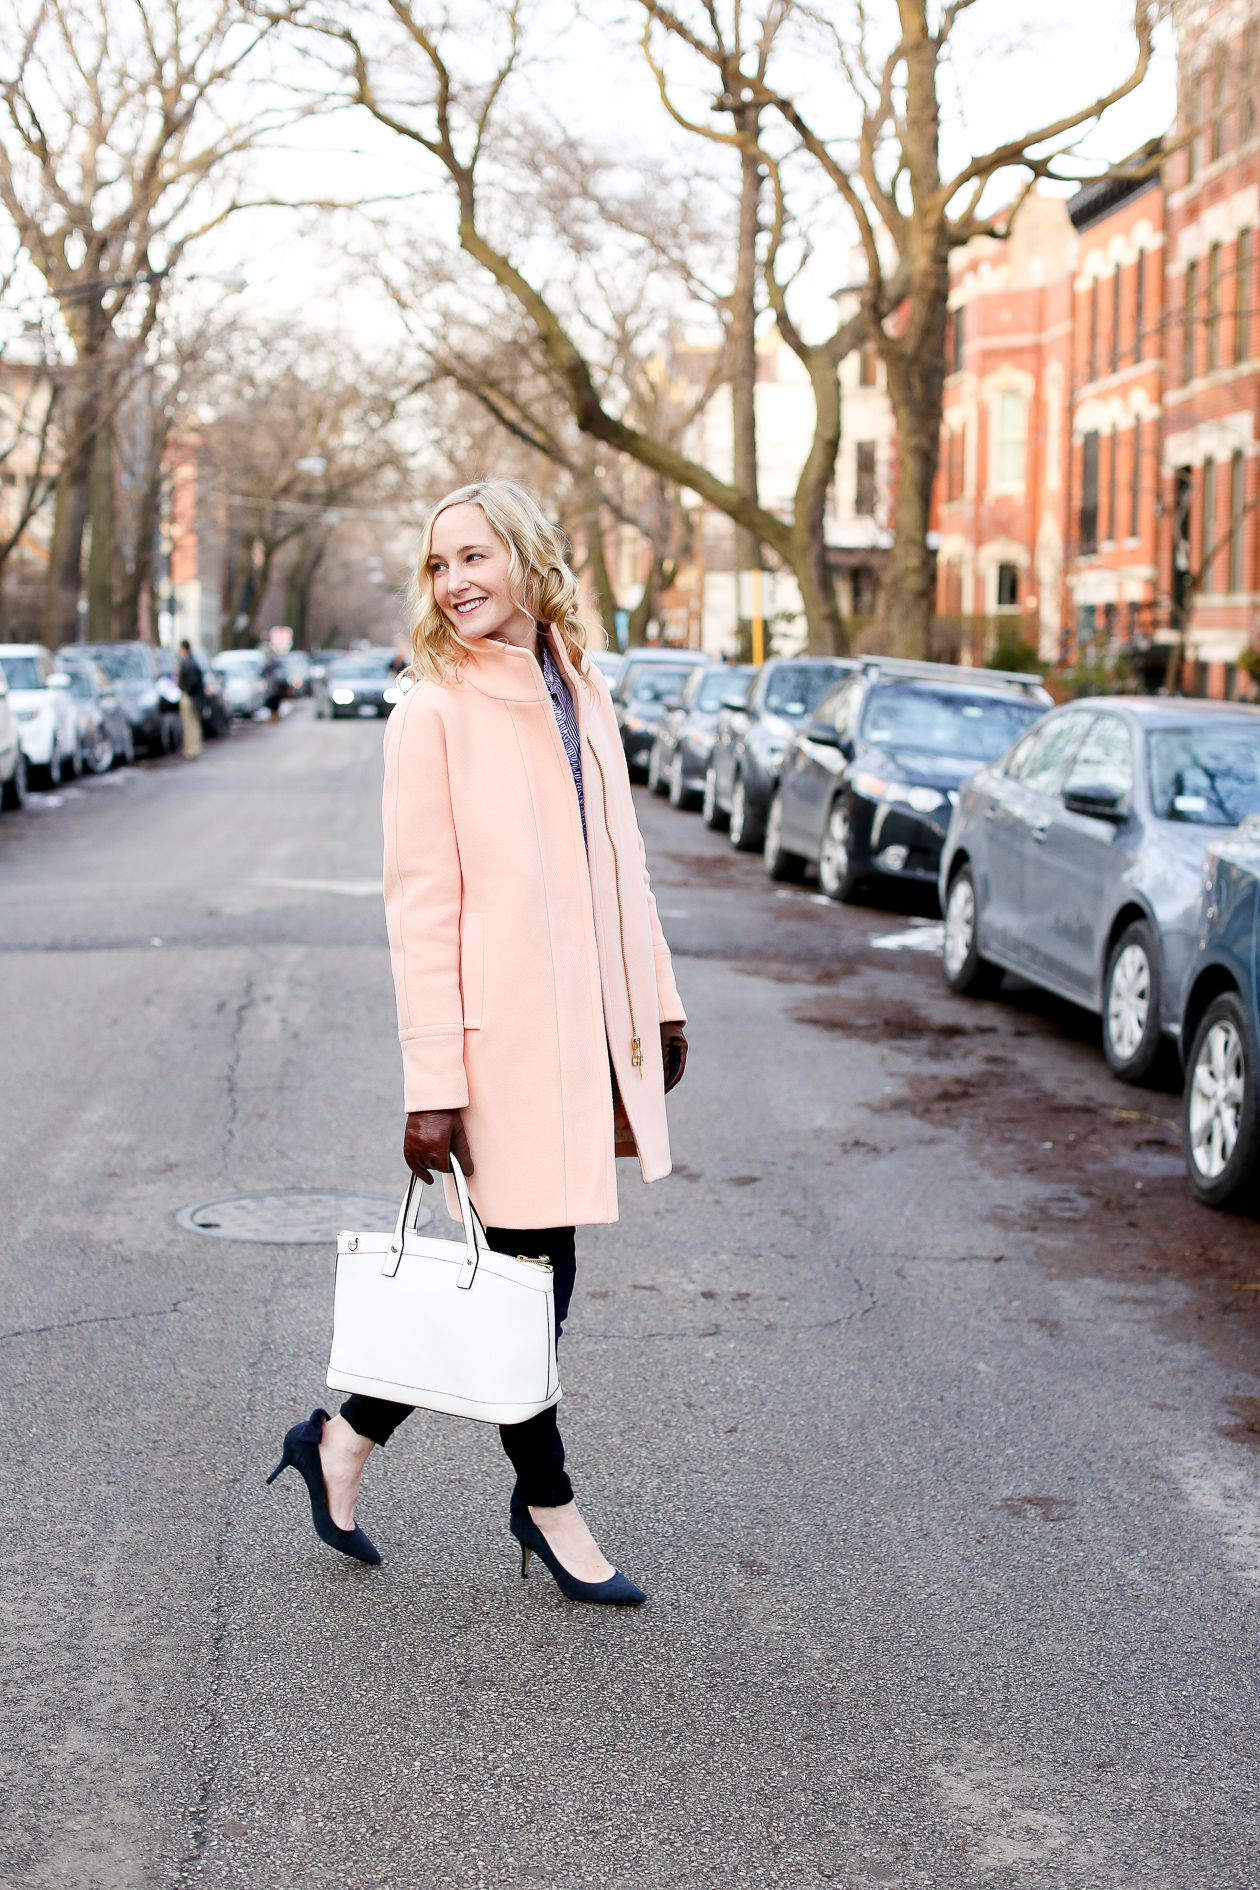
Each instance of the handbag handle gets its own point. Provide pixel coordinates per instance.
(407, 1214)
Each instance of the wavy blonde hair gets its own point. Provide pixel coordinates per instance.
(538, 574)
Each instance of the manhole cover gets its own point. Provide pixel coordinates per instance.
(292, 1216)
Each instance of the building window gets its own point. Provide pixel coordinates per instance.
(957, 339)
(1218, 107)
(1139, 303)
(1115, 319)
(865, 479)
(1207, 527)
(1089, 492)
(1007, 587)
(1093, 331)
(1011, 429)
(1237, 519)
(1188, 314)
(1135, 480)
(1214, 308)
(1112, 530)
(1242, 295)
(868, 363)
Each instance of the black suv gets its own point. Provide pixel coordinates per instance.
(753, 738)
(870, 782)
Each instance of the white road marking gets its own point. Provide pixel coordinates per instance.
(347, 888)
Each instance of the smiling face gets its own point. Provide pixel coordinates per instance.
(470, 567)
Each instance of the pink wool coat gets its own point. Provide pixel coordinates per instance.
(522, 958)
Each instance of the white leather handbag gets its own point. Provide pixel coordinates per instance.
(445, 1324)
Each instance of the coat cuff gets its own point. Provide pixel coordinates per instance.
(433, 1068)
(669, 1006)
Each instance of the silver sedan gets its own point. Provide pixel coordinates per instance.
(1075, 859)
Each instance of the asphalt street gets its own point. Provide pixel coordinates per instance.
(920, 1398)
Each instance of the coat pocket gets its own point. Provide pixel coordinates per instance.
(472, 968)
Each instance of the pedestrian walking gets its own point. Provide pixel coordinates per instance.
(275, 683)
(538, 1016)
(192, 696)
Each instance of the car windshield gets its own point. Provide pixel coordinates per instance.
(21, 672)
(80, 683)
(654, 682)
(713, 687)
(376, 666)
(124, 665)
(930, 721)
(238, 659)
(1209, 775)
(794, 688)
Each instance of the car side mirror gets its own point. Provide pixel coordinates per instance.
(822, 733)
(1101, 803)
(58, 680)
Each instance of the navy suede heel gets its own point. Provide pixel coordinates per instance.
(301, 1449)
(617, 1592)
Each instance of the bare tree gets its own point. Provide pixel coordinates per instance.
(303, 432)
(112, 119)
(909, 215)
(410, 84)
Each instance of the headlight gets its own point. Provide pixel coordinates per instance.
(149, 699)
(342, 697)
(391, 695)
(873, 787)
(702, 742)
(28, 715)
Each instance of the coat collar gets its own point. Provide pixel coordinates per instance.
(514, 675)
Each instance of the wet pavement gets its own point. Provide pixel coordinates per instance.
(922, 1399)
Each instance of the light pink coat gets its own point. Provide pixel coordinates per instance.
(521, 957)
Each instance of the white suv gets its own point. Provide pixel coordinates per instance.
(39, 695)
(12, 760)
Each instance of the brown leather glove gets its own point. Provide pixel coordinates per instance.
(673, 1054)
(429, 1137)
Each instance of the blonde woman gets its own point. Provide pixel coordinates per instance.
(537, 1012)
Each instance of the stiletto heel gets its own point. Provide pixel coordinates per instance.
(617, 1592)
(301, 1449)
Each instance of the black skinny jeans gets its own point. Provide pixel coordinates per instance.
(535, 1448)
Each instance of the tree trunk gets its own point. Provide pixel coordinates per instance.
(65, 554)
(742, 343)
(100, 610)
(297, 589)
(825, 631)
(916, 385)
(140, 575)
(593, 531)
(641, 615)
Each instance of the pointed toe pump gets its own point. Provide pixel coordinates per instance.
(617, 1592)
(301, 1449)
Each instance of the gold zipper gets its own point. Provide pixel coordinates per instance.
(636, 1057)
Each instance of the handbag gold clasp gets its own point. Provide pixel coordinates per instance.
(636, 1056)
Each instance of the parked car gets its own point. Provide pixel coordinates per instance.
(297, 670)
(149, 699)
(686, 732)
(104, 731)
(648, 679)
(12, 754)
(363, 683)
(48, 725)
(608, 663)
(1220, 1026)
(1076, 859)
(752, 739)
(244, 682)
(870, 780)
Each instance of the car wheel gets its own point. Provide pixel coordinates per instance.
(1131, 1004)
(679, 793)
(129, 748)
(655, 784)
(13, 793)
(779, 861)
(1221, 1109)
(101, 759)
(836, 875)
(710, 812)
(745, 837)
(965, 971)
